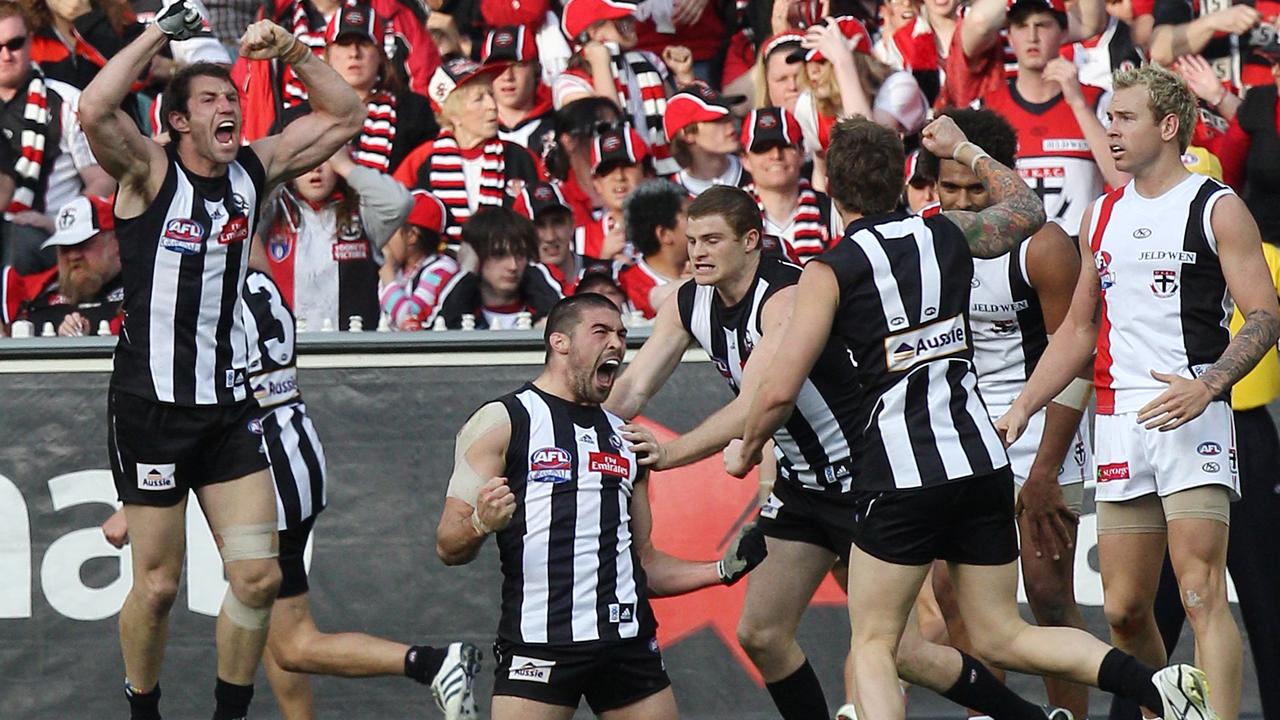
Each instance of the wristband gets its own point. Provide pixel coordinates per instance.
(1221, 96)
(296, 53)
(478, 525)
(978, 154)
(1076, 394)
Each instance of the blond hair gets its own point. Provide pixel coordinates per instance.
(1167, 95)
(871, 74)
(452, 105)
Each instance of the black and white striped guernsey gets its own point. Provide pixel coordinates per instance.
(292, 445)
(815, 445)
(904, 302)
(184, 261)
(571, 572)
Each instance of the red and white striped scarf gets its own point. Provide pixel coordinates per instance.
(808, 235)
(35, 132)
(294, 92)
(373, 144)
(449, 183)
(652, 101)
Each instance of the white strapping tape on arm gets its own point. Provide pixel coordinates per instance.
(1076, 395)
(465, 482)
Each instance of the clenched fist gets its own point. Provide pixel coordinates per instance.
(941, 137)
(265, 40)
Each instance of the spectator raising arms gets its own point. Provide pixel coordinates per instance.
(468, 165)
(608, 66)
(322, 234)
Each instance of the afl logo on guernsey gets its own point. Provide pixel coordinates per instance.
(1102, 260)
(183, 235)
(550, 464)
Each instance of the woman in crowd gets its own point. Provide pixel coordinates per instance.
(322, 234)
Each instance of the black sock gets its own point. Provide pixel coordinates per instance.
(1122, 674)
(422, 662)
(977, 689)
(799, 695)
(231, 702)
(143, 706)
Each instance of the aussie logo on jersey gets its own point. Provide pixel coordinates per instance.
(550, 464)
(905, 350)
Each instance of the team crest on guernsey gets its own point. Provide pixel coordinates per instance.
(279, 247)
(1164, 283)
(550, 464)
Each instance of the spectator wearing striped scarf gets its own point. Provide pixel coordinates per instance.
(52, 159)
(468, 166)
(399, 119)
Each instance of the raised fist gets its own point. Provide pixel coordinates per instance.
(941, 137)
(265, 40)
(182, 20)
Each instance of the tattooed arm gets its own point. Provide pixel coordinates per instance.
(1015, 214)
(1250, 285)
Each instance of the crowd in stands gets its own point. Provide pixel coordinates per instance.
(518, 150)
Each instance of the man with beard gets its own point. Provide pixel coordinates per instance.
(85, 288)
(182, 416)
(546, 470)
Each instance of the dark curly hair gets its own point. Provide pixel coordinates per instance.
(985, 128)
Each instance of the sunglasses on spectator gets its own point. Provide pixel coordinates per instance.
(15, 44)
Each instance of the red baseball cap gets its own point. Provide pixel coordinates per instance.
(358, 20)
(619, 146)
(509, 43)
(428, 213)
(497, 13)
(578, 15)
(80, 220)
(855, 36)
(697, 103)
(456, 72)
(765, 128)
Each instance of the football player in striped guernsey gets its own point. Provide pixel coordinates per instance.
(930, 476)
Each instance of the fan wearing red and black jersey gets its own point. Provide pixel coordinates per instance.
(1062, 148)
